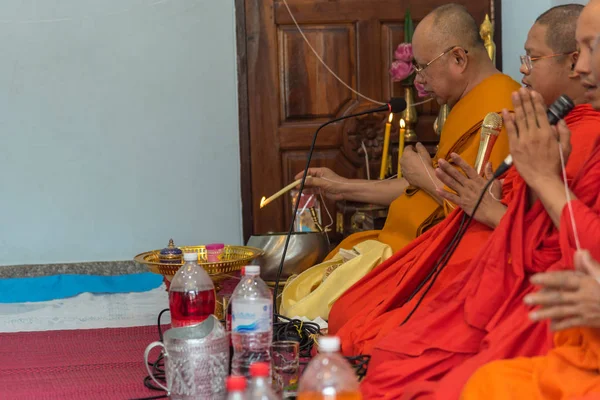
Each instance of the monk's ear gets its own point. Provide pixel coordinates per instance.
(573, 57)
(459, 57)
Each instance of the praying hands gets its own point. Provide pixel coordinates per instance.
(568, 298)
(417, 169)
(468, 187)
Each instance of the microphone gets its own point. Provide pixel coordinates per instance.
(490, 129)
(395, 105)
(557, 111)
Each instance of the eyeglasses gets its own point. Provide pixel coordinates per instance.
(419, 69)
(528, 61)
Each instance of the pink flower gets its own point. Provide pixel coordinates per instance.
(404, 52)
(401, 70)
(421, 92)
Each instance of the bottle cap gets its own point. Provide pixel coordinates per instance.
(190, 256)
(259, 369)
(329, 344)
(252, 270)
(236, 383)
(215, 246)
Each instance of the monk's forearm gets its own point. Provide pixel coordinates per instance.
(430, 187)
(551, 192)
(375, 192)
(493, 214)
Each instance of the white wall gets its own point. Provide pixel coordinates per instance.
(517, 17)
(118, 128)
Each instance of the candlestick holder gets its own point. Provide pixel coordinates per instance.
(410, 114)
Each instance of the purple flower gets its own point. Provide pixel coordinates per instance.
(404, 52)
(421, 92)
(401, 70)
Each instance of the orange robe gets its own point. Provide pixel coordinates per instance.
(460, 135)
(459, 316)
(571, 370)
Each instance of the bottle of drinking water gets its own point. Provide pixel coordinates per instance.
(251, 322)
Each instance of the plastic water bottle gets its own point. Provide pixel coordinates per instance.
(192, 293)
(329, 376)
(251, 322)
(260, 385)
(236, 388)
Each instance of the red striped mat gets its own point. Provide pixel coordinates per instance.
(75, 364)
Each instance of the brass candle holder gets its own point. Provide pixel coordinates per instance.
(409, 115)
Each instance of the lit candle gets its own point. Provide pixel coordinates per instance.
(386, 147)
(401, 134)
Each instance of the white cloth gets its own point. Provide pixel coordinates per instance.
(86, 311)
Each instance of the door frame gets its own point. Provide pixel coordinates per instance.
(243, 106)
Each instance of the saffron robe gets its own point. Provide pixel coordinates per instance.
(456, 318)
(460, 135)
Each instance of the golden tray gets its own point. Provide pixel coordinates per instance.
(232, 260)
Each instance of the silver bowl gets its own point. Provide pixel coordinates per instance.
(304, 250)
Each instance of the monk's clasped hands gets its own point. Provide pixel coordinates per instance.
(468, 187)
(415, 164)
(568, 298)
(534, 143)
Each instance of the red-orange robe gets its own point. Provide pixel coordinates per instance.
(456, 317)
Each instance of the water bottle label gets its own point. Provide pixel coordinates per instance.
(251, 318)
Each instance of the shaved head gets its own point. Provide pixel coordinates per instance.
(450, 53)
(452, 25)
(562, 23)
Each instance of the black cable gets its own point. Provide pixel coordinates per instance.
(157, 367)
(443, 261)
(304, 175)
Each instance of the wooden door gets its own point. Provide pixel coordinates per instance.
(286, 93)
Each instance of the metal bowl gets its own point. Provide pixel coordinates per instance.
(304, 250)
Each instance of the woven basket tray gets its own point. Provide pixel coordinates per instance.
(232, 259)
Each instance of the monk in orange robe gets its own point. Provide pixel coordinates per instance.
(457, 72)
(417, 333)
(569, 299)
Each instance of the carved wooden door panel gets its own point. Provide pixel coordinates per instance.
(286, 93)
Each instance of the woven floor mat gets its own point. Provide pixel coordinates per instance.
(75, 364)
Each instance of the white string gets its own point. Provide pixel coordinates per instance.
(568, 194)
(327, 211)
(323, 62)
(428, 173)
(492, 194)
(358, 183)
(362, 143)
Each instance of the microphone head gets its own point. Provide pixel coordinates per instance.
(492, 124)
(397, 104)
(559, 109)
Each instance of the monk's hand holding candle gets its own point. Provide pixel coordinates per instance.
(330, 183)
(467, 187)
(568, 298)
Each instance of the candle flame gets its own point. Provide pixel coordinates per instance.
(390, 118)
(402, 123)
(262, 201)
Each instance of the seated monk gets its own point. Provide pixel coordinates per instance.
(419, 323)
(570, 300)
(456, 70)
